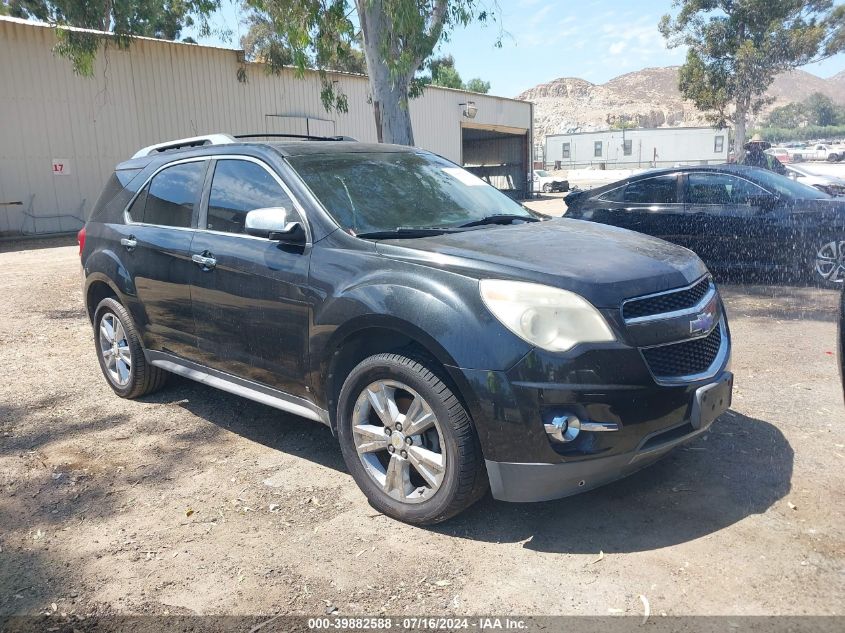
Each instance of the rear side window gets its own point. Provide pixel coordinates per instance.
(238, 187)
(657, 190)
(170, 197)
(718, 188)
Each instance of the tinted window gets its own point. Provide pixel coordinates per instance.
(720, 189)
(614, 195)
(657, 190)
(136, 211)
(171, 195)
(785, 186)
(238, 187)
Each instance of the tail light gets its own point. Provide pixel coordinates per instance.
(80, 237)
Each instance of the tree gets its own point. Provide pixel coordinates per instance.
(396, 38)
(737, 47)
(822, 110)
(121, 19)
(478, 85)
(792, 115)
(263, 44)
(444, 73)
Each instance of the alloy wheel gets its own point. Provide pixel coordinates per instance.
(114, 348)
(399, 441)
(830, 261)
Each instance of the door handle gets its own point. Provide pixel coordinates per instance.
(129, 242)
(204, 262)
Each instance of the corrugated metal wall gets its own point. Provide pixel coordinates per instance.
(157, 91)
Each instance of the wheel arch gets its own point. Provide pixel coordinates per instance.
(369, 335)
(97, 288)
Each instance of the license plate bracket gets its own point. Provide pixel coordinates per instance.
(711, 401)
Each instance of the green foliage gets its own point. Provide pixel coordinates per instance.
(444, 73)
(478, 85)
(816, 110)
(305, 34)
(810, 132)
(791, 115)
(119, 19)
(822, 110)
(320, 34)
(736, 47)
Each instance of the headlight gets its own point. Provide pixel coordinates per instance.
(547, 317)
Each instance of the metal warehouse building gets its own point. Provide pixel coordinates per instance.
(628, 149)
(60, 134)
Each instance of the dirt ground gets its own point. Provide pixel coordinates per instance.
(196, 501)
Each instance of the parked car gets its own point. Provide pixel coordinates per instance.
(781, 153)
(450, 338)
(546, 182)
(830, 185)
(735, 218)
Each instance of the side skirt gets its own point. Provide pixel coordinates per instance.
(239, 386)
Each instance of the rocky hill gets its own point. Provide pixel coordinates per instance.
(648, 98)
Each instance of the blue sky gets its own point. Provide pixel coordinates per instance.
(545, 39)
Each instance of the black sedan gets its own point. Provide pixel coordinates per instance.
(736, 218)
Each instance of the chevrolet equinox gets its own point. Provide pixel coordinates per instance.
(450, 338)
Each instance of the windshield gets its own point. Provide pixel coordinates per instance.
(787, 186)
(382, 191)
(542, 173)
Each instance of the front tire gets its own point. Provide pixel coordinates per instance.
(408, 441)
(547, 188)
(829, 263)
(120, 353)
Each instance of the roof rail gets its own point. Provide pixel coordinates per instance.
(307, 137)
(194, 141)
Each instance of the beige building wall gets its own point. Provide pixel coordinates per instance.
(61, 135)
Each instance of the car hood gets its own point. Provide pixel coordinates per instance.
(602, 263)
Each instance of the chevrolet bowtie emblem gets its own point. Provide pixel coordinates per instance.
(702, 323)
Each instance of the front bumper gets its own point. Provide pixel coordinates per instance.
(600, 385)
(514, 481)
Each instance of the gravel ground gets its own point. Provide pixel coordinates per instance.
(196, 501)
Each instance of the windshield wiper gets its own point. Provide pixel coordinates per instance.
(401, 232)
(503, 218)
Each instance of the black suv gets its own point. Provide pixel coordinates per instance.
(450, 338)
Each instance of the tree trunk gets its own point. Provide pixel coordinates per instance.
(389, 94)
(739, 130)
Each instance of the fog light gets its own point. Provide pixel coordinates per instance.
(563, 428)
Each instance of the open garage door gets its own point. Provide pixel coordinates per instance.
(498, 155)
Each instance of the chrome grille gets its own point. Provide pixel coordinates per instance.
(672, 301)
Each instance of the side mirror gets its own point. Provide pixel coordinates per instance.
(273, 224)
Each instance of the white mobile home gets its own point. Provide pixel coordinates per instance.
(637, 148)
(61, 134)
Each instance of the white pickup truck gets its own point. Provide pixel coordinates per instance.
(820, 151)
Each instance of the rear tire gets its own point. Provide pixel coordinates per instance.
(121, 354)
(420, 468)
